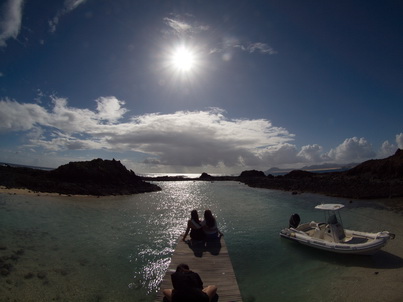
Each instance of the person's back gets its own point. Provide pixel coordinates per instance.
(195, 228)
(188, 287)
(210, 226)
(196, 232)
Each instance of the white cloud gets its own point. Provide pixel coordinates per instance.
(184, 140)
(399, 140)
(187, 30)
(256, 47)
(72, 4)
(387, 149)
(68, 119)
(182, 28)
(311, 153)
(19, 117)
(177, 26)
(230, 43)
(110, 109)
(10, 20)
(199, 138)
(280, 154)
(69, 5)
(352, 149)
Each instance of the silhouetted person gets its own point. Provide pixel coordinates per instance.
(195, 227)
(210, 227)
(188, 287)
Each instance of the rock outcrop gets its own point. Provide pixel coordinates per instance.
(252, 174)
(382, 178)
(97, 177)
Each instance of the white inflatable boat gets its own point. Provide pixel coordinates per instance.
(331, 235)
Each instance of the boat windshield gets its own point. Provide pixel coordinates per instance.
(332, 219)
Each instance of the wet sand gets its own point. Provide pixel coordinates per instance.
(379, 278)
(15, 191)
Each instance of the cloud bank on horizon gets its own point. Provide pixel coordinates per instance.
(184, 140)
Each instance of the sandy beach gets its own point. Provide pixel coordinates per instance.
(15, 191)
(373, 278)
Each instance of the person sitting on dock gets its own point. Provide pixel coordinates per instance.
(195, 228)
(210, 227)
(188, 286)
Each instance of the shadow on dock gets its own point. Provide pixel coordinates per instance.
(199, 247)
(214, 299)
(211, 261)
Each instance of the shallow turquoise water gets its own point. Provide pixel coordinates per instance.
(118, 248)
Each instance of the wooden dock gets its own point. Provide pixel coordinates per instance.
(212, 262)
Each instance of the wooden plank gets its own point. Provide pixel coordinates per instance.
(212, 262)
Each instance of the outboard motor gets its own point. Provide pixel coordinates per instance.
(294, 220)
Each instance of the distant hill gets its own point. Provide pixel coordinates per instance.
(388, 168)
(381, 178)
(97, 177)
(324, 168)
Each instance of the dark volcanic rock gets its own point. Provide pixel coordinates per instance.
(372, 179)
(205, 176)
(253, 178)
(97, 177)
(388, 168)
(252, 174)
(299, 174)
(381, 178)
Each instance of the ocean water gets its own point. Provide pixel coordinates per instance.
(118, 248)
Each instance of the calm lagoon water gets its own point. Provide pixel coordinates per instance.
(118, 248)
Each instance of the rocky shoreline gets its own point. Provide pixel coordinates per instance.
(373, 179)
(97, 177)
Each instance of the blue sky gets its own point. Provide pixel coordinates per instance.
(200, 86)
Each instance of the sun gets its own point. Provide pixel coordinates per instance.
(183, 59)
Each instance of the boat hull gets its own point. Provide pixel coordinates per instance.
(373, 241)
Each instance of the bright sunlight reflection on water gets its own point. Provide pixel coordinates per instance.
(167, 218)
(119, 248)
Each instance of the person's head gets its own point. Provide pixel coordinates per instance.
(182, 268)
(208, 216)
(194, 215)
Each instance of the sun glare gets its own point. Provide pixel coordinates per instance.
(183, 59)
